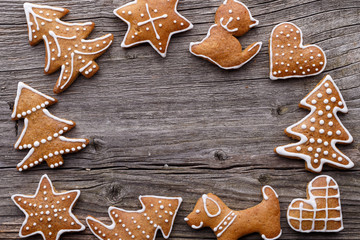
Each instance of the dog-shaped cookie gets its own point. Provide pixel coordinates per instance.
(228, 224)
(220, 46)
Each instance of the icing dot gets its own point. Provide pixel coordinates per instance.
(238, 18)
(340, 103)
(298, 148)
(316, 160)
(333, 155)
(329, 115)
(326, 85)
(327, 107)
(303, 126)
(321, 131)
(340, 159)
(328, 91)
(331, 123)
(326, 152)
(329, 133)
(230, 11)
(312, 140)
(310, 149)
(326, 143)
(320, 112)
(321, 63)
(338, 132)
(129, 12)
(333, 99)
(319, 140)
(321, 122)
(312, 129)
(319, 95)
(312, 120)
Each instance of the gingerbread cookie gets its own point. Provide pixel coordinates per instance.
(42, 131)
(220, 46)
(320, 130)
(157, 213)
(153, 22)
(48, 212)
(228, 224)
(289, 58)
(65, 43)
(321, 211)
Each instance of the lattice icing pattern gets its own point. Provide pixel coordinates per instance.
(321, 212)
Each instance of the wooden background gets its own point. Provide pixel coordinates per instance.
(180, 126)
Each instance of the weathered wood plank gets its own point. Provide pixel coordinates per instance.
(180, 126)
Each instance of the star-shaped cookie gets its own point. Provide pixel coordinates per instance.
(152, 21)
(48, 213)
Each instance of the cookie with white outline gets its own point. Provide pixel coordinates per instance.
(321, 211)
(289, 58)
(153, 22)
(320, 131)
(264, 218)
(157, 213)
(221, 46)
(42, 132)
(66, 47)
(48, 212)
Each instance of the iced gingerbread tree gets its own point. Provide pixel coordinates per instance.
(321, 130)
(42, 132)
(65, 43)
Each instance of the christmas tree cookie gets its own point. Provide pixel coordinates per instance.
(48, 212)
(321, 130)
(158, 213)
(66, 47)
(42, 132)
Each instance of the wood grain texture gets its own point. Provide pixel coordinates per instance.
(181, 126)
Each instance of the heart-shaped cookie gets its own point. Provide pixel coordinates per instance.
(289, 57)
(321, 211)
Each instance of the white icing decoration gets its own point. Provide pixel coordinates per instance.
(151, 20)
(265, 238)
(312, 201)
(226, 25)
(205, 198)
(301, 46)
(198, 227)
(124, 45)
(303, 139)
(14, 197)
(264, 194)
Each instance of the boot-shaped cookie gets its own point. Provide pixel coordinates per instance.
(220, 46)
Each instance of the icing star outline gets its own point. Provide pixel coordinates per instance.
(157, 20)
(48, 212)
